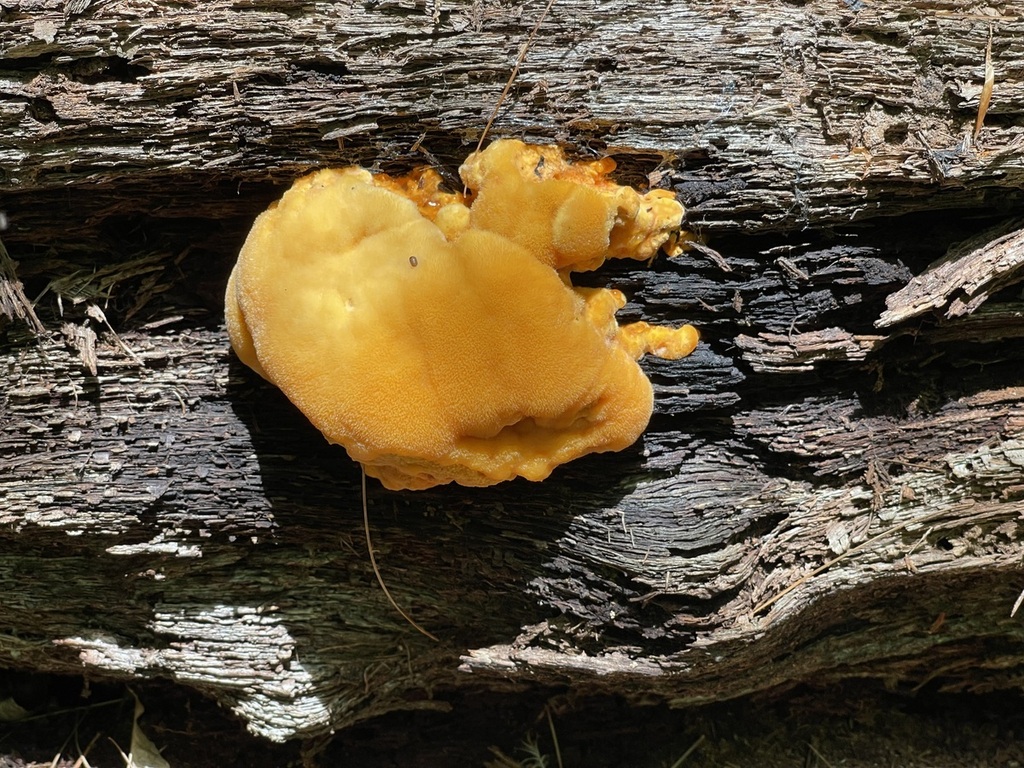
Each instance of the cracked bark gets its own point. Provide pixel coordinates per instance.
(831, 487)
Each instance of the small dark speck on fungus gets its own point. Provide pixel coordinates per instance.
(483, 363)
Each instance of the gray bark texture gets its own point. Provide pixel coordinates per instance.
(831, 487)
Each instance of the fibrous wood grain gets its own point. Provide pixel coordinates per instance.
(772, 114)
(820, 495)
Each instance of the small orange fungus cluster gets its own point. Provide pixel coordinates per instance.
(437, 336)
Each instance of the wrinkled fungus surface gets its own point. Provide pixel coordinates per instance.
(436, 335)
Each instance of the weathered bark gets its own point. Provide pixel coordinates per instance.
(831, 487)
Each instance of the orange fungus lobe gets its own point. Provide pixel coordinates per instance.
(437, 336)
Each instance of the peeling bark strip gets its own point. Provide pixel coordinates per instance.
(807, 501)
(777, 353)
(959, 283)
(964, 279)
(14, 305)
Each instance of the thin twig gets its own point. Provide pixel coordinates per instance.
(1017, 604)
(376, 570)
(554, 737)
(515, 71)
(693, 747)
(819, 755)
(986, 89)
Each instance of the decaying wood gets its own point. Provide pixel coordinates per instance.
(831, 486)
(770, 116)
(963, 280)
(14, 304)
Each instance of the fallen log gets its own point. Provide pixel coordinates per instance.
(830, 487)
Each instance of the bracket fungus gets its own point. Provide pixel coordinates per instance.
(437, 335)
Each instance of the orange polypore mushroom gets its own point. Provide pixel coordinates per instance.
(437, 336)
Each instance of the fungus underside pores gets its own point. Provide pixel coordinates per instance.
(437, 336)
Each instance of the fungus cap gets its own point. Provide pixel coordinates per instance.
(435, 342)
